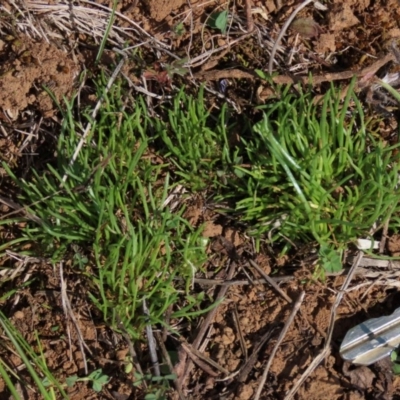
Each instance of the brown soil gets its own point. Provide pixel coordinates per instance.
(349, 36)
(260, 310)
(26, 68)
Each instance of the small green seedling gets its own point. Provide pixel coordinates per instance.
(219, 20)
(157, 385)
(177, 68)
(97, 377)
(395, 357)
(179, 29)
(330, 258)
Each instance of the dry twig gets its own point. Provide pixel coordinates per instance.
(90, 20)
(283, 31)
(236, 321)
(289, 321)
(151, 341)
(248, 366)
(132, 351)
(202, 360)
(169, 363)
(288, 80)
(207, 322)
(382, 243)
(70, 314)
(326, 349)
(17, 208)
(203, 57)
(249, 16)
(270, 281)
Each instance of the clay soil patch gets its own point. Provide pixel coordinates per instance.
(28, 66)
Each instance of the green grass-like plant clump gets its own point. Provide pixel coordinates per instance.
(317, 172)
(43, 379)
(109, 216)
(305, 172)
(194, 141)
(112, 207)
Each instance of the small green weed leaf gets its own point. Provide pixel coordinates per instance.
(396, 369)
(103, 379)
(177, 67)
(330, 259)
(71, 380)
(394, 356)
(95, 374)
(128, 368)
(157, 378)
(171, 377)
(139, 378)
(151, 396)
(261, 74)
(219, 20)
(203, 242)
(179, 29)
(222, 21)
(265, 76)
(46, 381)
(239, 172)
(97, 386)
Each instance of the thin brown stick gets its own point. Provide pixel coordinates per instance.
(201, 59)
(249, 16)
(289, 321)
(213, 75)
(202, 360)
(248, 366)
(191, 29)
(211, 314)
(283, 31)
(208, 320)
(365, 272)
(287, 80)
(270, 281)
(382, 243)
(200, 363)
(169, 363)
(326, 349)
(131, 348)
(151, 342)
(66, 305)
(214, 61)
(17, 208)
(240, 332)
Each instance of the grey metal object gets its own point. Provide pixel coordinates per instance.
(372, 340)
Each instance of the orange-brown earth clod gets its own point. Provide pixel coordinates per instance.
(26, 69)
